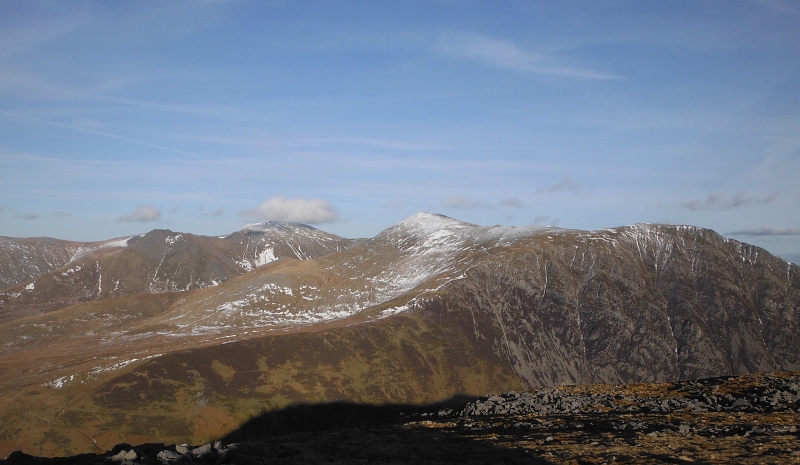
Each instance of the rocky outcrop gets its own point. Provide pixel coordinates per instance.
(750, 419)
(634, 304)
(776, 394)
(145, 454)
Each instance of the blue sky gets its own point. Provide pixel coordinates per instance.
(202, 116)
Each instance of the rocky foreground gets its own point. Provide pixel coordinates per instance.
(736, 419)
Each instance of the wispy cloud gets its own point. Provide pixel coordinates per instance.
(512, 203)
(394, 203)
(566, 184)
(22, 39)
(29, 216)
(507, 55)
(91, 131)
(299, 210)
(216, 213)
(36, 86)
(3, 208)
(720, 201)
(766, 231)
(143, 214)
(459, 201)
(381, 143)
(779, 6)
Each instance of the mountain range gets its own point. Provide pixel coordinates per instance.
(181, 338)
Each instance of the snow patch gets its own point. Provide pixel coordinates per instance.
(393, 311)
(85, 250)
(71, 270)
(58, 383)
(120, 364)
(266, 256)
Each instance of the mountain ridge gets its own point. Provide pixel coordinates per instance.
(428, 308)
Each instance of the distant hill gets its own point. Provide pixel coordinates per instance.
(59, 273)
(22, 259)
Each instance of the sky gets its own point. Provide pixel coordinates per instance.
(202, 116)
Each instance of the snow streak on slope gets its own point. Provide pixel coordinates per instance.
(434, 245)
(22, 259)
(89, 249)
(425, 249)
(267, 242)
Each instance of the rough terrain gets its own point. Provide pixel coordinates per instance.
(430, 308)
(744, 419)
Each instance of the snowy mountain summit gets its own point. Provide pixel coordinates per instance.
(271, 226)
(424, 223)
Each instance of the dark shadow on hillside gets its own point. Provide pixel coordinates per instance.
(343, 432)
(306, 418)
(339, 432)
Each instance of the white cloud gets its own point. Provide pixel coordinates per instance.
(719, 201)
(143, 214)
(298, 210)
(507, 55)
(767, 231)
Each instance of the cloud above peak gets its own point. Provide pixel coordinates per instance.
(507, 55)
(719, 201)
(766, 231)
(298, 210)
(143, 214)
(565, 184)
(459, 201)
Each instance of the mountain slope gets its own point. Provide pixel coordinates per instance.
(163, 261)
(24, 259)
(429, 308)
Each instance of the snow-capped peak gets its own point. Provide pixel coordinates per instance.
(273, 225)
(425, 223)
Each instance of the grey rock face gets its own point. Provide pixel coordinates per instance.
(643, 303)
(124, 457)
(25, 259)
(169, 457)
